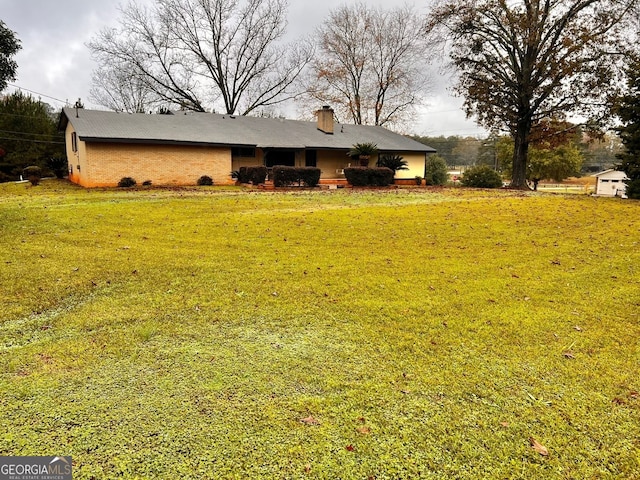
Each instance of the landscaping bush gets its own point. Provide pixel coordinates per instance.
(205, 180)
(241, 175)
(258, 174)
(436, 170)
(394, 162)
(364, 176)
(58, 166)
(285, 176)
(481, 176)
(33, 174)
(255, 174)
(310, 176)
(357, 176)
(126, 182)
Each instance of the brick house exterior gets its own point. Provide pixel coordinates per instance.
(103, 147)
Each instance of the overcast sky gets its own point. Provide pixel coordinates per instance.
(56, 65)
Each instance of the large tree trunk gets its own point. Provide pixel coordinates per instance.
(520, 155)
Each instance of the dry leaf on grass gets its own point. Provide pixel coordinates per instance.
(538, 447)
(364, 430)
(310, 420)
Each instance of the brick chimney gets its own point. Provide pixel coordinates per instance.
(325, 120)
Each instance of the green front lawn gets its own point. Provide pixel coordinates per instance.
(223, 333)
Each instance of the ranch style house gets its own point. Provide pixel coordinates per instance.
(177, 149)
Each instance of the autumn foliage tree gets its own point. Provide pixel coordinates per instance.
(369, 65)
(521, 61)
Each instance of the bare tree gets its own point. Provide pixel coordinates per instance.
(206, 54)
(522, 61)
(369, 65)
(121, 90)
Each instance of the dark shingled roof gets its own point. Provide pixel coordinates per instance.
(214, 129)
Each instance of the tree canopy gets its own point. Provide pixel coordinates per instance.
(199, 55)
(555, 152)
(521, 61)
(28, 135)
(9, 46)
(627, 108)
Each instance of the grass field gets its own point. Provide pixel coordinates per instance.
(226, 333)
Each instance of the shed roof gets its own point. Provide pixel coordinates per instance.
(215, 129)
(611, 173)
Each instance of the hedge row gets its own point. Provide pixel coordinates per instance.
(365, 176)
(285, 176)
(255, 175)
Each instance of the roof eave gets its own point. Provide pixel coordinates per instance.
(156, 141)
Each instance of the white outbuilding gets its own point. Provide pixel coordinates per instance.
(611, 183)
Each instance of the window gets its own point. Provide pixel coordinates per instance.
(74, 141)
(284, 158)
(245, 152)
(310, 158)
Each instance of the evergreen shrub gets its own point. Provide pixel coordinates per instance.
(285, 176)
(126, 182)
(481, 176)
(365, 176)
(205, 180)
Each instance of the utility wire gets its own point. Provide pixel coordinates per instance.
(31, 141)
(66, 102)
(30, 133)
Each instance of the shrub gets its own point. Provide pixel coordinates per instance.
(147, 183)
(284, 176)
(33, 174)
(310, 176)
(357, 176)
(241, 175)
(364, 176)
(381, 176)
(205, 180)
(58, 165)
(481, 176)
(258, 174)
(255, 175)
(436, 170)
(394, 162)
(126, 182)
(418, 180)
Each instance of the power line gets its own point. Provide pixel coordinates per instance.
(31, 141)
(23, 116)
(38, 93)
(29, 133)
